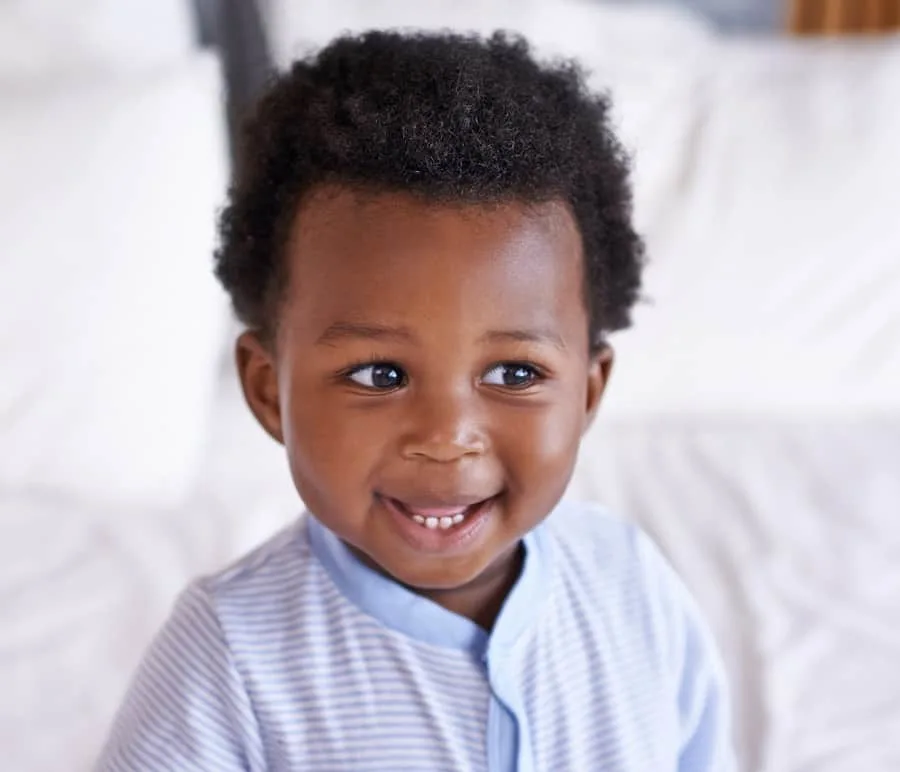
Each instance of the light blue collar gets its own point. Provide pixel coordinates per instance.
(402, 610)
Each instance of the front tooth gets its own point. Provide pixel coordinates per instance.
(419, 519)
(431, 522)
(446, 522)
(457, 519)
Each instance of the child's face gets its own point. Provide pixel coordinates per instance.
(431, 377)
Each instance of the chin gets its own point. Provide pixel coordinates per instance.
(438, 577)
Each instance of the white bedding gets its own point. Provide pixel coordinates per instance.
(775, 261)
(108, 194)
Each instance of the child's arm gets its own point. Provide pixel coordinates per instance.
(186, 708)
(703, 702)
(703, 698)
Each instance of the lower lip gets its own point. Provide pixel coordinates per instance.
(439, 540)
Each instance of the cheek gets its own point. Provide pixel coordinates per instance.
(332, 450)
(335, 449)
(542, 448)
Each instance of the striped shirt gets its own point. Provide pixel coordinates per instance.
(299, 657)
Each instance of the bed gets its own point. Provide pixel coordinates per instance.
(753, 426)
(114, 157)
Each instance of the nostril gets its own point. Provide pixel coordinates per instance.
(444, 452)
(443, 430)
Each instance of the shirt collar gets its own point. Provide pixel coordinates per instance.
(400, 609)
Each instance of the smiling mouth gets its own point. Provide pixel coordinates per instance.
(442, 517)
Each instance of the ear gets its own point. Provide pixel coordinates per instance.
(599, 369)
(259, 380)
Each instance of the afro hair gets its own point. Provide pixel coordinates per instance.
(446, 117)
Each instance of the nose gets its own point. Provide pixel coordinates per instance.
(443, 428)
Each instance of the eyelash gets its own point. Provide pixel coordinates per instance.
(539, 373)
(347, 373)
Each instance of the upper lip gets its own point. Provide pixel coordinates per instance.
(459, 501)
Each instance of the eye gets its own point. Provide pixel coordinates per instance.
(512, 375)
(379, 376)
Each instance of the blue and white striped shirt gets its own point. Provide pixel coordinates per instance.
(299, 657)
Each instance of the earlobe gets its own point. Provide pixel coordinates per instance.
(259, 381)
(599, 369)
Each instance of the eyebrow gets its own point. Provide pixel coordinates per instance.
(352, 330)
(538, 335)
(357, 331)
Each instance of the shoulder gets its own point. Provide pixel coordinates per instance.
(590, 540)
(263, 588)
(286, 552)
(619, 569)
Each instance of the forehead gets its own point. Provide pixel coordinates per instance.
(395, 259)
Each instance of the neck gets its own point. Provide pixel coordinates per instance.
(481, 599)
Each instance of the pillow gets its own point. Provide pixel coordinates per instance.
(110, 319)
(775, 265)
(48, 37)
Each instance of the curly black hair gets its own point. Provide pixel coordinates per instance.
(446, 117)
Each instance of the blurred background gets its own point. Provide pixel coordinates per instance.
(752, 427)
